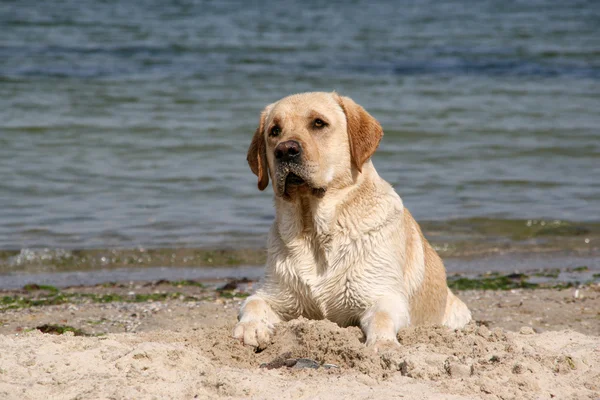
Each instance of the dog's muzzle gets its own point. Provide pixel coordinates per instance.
(292, 175)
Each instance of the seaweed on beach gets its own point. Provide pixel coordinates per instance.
(34, 286)
(231, 289)
(581, 268)
(547, 273)
(504, 282)
(60, 329)
(34, 295)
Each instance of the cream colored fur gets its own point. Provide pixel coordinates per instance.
(353, 254)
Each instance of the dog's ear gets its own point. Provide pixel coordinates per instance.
(364, 131)
(257, 154)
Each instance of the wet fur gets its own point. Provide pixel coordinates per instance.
(352, 254)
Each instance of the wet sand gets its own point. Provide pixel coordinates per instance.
(147, 306)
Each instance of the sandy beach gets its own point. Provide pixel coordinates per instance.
(132, 227)
(160, 340)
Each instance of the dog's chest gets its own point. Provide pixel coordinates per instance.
(329, 281)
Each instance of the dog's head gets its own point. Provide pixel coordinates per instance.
(311, 142)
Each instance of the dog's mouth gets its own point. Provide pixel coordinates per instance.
(294, 180)
(293, 184)
(290, 184)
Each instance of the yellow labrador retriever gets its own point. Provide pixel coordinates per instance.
(342, 246)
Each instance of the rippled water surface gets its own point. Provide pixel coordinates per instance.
(127, 123)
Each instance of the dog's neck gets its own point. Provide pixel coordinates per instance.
(319, 217)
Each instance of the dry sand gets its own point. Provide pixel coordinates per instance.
(182, 350)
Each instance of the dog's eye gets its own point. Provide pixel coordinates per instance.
(275, 131)
(319, 123)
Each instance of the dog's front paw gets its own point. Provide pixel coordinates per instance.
(380, 345)
(253, 333)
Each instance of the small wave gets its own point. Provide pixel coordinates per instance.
(38, 256)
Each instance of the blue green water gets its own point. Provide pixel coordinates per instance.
(126, 123)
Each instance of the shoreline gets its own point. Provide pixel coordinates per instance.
(532, 278)
(46, 259)
(64, 268)
(461, 239)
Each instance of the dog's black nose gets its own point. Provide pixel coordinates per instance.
(288, 151)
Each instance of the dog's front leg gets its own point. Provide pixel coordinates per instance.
(383, 319)
(256, 322)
